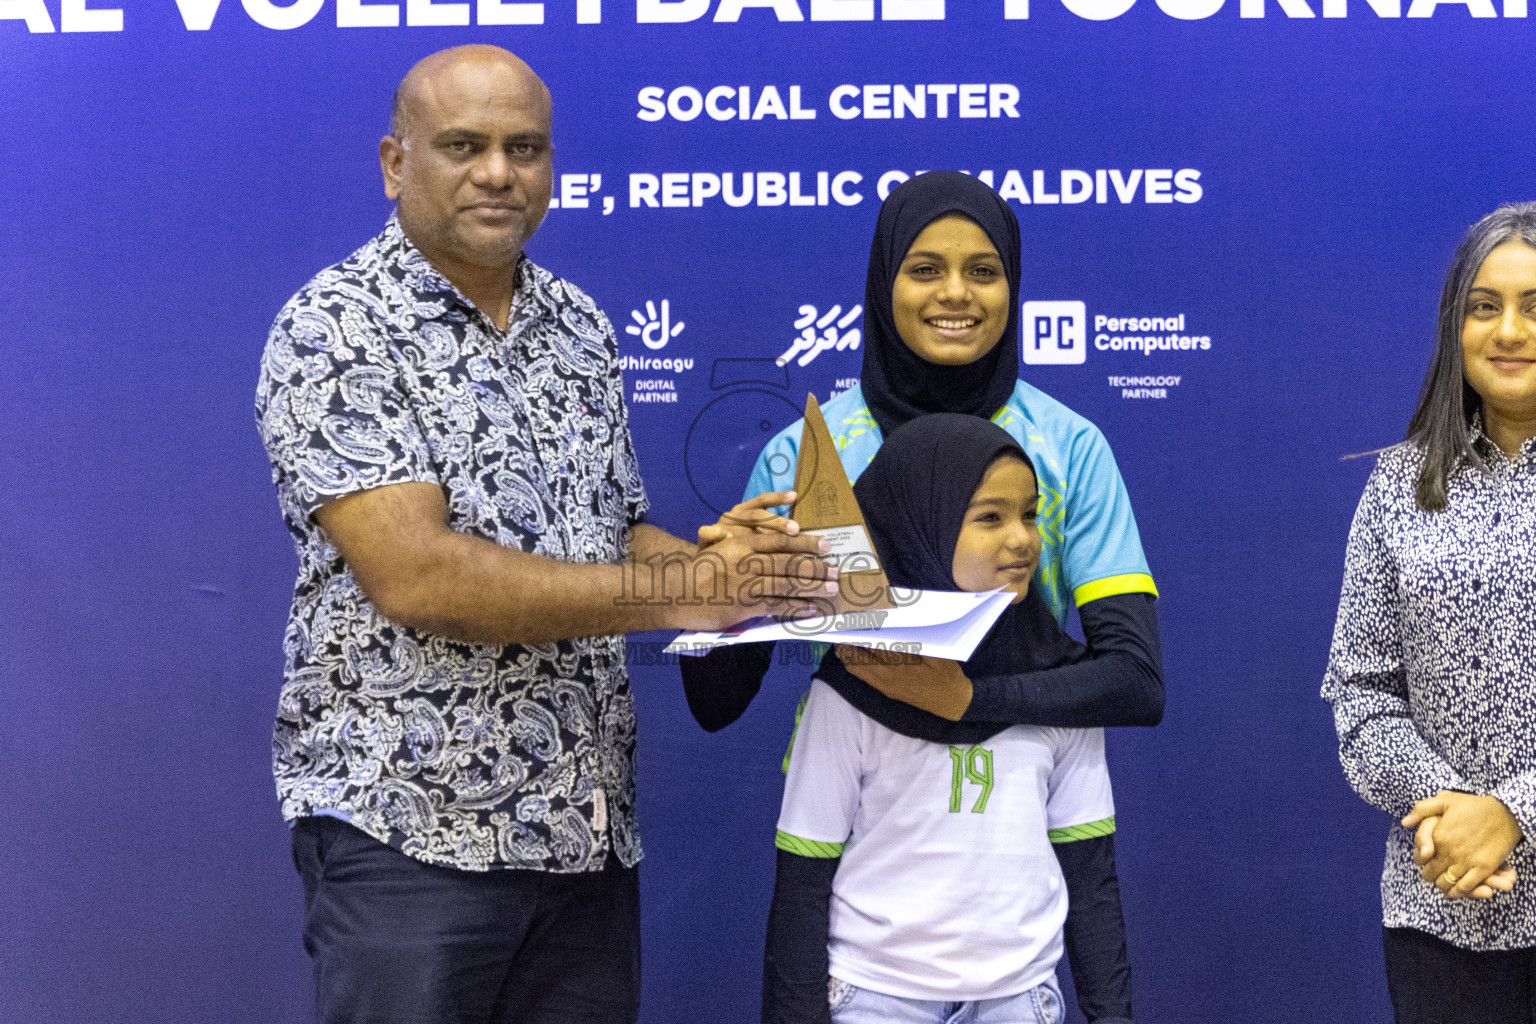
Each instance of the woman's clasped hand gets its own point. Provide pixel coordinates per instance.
(1461, 842)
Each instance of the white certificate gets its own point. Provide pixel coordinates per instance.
(935, 623)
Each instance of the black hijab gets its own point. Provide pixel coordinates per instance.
(914, 496)
(898, 384)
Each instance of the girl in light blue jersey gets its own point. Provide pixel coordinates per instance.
(941, 327)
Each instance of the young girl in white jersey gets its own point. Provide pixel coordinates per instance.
(917, 883)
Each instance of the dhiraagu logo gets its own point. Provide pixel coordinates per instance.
(1054, 333)
(655, 331)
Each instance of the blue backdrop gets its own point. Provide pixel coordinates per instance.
(166, 187)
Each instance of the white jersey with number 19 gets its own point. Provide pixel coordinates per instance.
(948, 888)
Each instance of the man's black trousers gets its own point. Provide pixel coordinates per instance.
(396, 941)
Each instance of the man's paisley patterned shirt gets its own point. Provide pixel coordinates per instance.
(1432, 676)
(463, 755)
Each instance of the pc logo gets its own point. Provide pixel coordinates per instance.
(1054, 333)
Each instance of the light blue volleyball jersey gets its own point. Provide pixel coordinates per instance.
(1089, 544)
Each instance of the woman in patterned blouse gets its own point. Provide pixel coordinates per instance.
(1432, 675)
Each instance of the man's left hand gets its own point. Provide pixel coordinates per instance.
(935, 685)
(1469, 842)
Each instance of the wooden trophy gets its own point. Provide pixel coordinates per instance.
(826, 508)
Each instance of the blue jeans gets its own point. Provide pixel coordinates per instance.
(853, 1005)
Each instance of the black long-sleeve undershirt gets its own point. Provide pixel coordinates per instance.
(1094, 933)
(1119, 683)
(795, 970)
(719, 685)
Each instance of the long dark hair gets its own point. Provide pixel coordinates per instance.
(1441, 424)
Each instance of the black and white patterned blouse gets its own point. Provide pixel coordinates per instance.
(464, 755)
(1432, 676)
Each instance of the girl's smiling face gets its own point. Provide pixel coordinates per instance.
(950, 300)
(999, 545)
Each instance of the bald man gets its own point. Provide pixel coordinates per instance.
(455, 735)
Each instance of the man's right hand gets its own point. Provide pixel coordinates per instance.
(769, 568)
(416, 570)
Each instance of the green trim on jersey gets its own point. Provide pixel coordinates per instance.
(799, 714)
(1074, 833)
(807, 847)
